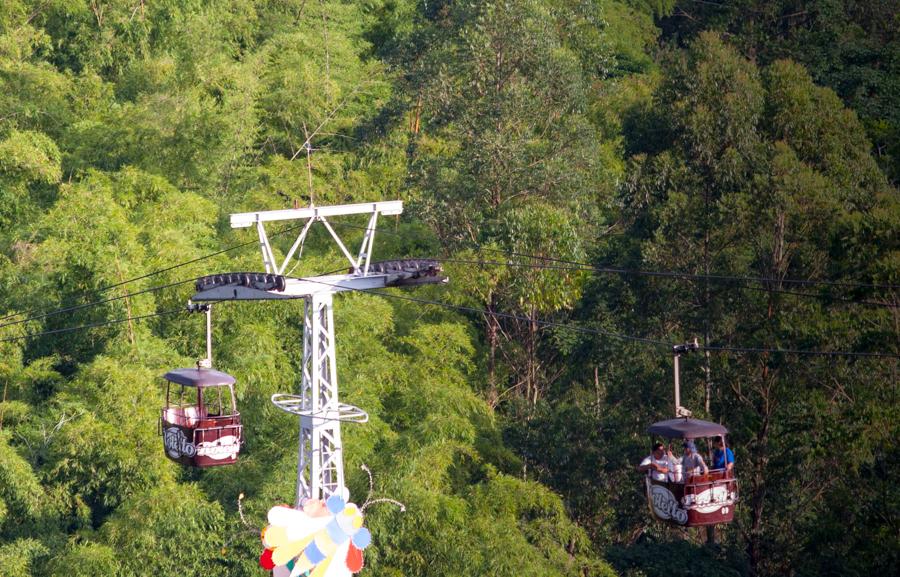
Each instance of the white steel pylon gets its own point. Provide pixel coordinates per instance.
(320, 457)
(320, 467)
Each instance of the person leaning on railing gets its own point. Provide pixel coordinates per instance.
(723, 457)
(657, 464)
(692, 463)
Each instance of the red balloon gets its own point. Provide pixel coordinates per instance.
(265, 560)
(354, 559)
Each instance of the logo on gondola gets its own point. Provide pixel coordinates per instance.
(711, 500)
(177, 444)
(665, 506)
(225, 447)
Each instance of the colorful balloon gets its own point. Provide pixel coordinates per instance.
(323, 538)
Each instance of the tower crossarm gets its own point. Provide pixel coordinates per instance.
(313, 214)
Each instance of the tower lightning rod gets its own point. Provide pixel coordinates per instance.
(320, 466)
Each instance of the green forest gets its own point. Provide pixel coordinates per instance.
(600, 179)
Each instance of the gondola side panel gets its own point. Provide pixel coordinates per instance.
(178, 442)
(218, 441)
(664, 500)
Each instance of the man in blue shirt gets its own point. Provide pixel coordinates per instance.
(723, 458)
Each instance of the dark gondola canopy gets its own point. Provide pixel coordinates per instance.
(199, 378)
(685, 428)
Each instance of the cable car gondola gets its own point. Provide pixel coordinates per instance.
(686, 499)
(200, 424)
(691, 498)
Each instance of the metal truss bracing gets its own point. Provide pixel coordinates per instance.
(320, 469)
(317, 214)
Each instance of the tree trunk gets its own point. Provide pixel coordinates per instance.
(532, 356)
(492, 334)
(3, 404)
(127, 306)
(706, 298)
(758, 499)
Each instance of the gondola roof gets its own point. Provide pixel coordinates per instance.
(199, 377)
(685, 428)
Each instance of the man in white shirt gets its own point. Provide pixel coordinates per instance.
(657, 464)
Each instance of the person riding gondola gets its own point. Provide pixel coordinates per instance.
(692, 463)
(723, 457)
(657, 464)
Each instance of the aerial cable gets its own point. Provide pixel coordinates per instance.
(499, 314)
(621, 336)
(91, 326)
(150, 274)
(693, 276)
(715, 349)
(577, 266)
(95, 303)
(588, 268)
(666, 274)
(160, 271)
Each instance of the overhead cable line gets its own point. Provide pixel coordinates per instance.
(91, 326)
(95, 303)
(715, 349)
(502, 315)
(655, 342)
(565, 326)
(588, 268)
(693, 276)
(668, 274)
(153, 273)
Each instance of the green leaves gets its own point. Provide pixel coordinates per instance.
(29, 167)
(130, 130)
(17, 557)
(541, 229)
(30, 157)
(168, 529)
(22, 495)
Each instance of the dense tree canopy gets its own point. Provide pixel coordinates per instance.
(556, 155)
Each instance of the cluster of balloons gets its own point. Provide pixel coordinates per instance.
(322, 539)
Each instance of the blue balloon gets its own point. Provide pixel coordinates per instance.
(313, 553)
(335, 504)
(362, 538)
(336, 533)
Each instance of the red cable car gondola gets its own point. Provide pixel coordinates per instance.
(200, 424)
(691, 498)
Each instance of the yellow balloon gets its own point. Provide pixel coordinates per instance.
(283, 554)
(321, 568)
(274, 536)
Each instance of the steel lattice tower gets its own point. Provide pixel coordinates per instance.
(320, 467)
